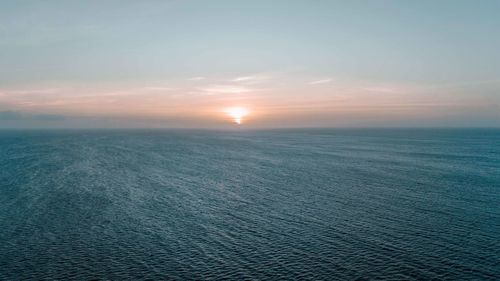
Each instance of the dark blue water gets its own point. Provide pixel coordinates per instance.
(297, 204)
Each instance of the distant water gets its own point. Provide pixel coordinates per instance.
(288, 204)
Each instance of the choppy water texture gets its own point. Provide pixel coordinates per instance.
(298, 204)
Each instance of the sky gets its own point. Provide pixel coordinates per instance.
(193, 64)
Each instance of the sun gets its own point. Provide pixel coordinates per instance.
(236, 113)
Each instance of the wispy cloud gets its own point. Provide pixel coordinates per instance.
(251, 79)
(199, 78)
(225, 89)
(243, 78)
(16, 115)
(491, 82)
(158, 89)
(322, 81)
(383, 89)
(32, 91)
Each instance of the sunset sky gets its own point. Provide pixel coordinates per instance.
(198, 64)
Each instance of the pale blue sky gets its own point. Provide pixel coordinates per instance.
(394, 63)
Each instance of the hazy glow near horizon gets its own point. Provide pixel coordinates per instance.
(296, 63)
(237, 113)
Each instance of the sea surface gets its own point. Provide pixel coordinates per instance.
(343, 204)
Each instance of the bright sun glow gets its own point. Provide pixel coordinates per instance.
(236, 113)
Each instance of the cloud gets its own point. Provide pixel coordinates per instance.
(158, 89)
(382, 89)
(16, 115)
(252, 79)
(225, 89)
(491, 82)
(322, 81)
(32, 91)
(243, 78)
(199, 78)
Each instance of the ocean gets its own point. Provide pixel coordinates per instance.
(311, 204)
